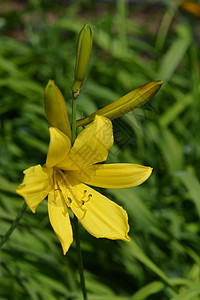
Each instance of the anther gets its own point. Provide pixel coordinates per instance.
(70, 200)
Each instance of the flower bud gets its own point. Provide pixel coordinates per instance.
(84, 48)
(191, 7)
(125, 104)
(55, 108)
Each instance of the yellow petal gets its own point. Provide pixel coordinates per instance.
(123, 105)
(91, 146)
(102, 218)
(59, 147)
(113, 176)
(35, 186)
(59, 219)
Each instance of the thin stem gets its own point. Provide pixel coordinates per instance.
(79, 258)
(76, 226)
(13, 226)
(73, 120)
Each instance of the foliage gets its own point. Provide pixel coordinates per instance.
(132, 45)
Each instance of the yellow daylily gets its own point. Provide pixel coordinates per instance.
(64, 177)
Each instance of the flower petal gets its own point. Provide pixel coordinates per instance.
(91, 146)
(35, 186)
(102, 218)
(113, 176)
(59, 147)
(59, 219)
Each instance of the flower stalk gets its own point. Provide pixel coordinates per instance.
(73, 120)
(76, 225)
(79, 258)
(84, 47)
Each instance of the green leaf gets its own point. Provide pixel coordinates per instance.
(175, 54)
(190, 294)
(148, 290)
(192, 185)
(137, 253)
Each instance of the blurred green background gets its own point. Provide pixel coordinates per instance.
(134, 42)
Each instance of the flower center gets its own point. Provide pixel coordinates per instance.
(73, 195)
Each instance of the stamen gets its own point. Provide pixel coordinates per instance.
(84, 213)
(69, 189)
(54, 177)
(86, 197)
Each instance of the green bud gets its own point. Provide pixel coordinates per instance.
(84, 48)
(55, 108)
(125, 104)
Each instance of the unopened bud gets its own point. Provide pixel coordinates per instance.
(125, 104)
(55, 108)
(84, 48)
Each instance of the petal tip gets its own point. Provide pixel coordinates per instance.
(150, 170)
(64, 247)
(160, 82)
(148, 173)
(64, 251)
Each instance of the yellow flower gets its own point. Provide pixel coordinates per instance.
(65, 175)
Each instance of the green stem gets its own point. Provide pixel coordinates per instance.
(76, 227)
(79, 258)
(73, 120)
(13, 226)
